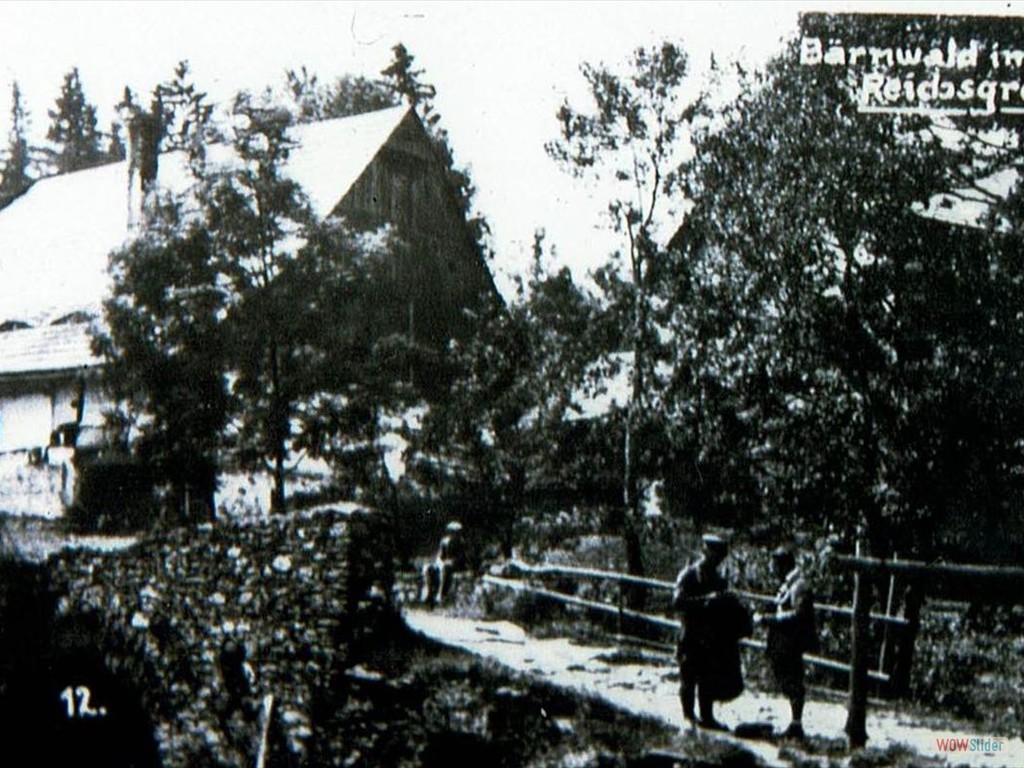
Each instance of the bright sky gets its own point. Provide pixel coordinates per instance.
(501, 70)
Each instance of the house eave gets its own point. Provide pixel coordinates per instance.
(49, 375)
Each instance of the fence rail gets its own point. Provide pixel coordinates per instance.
(981, 583)
(656, 620)
(663, 622)
(624, 578)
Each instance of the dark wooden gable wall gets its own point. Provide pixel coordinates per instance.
(441, 279)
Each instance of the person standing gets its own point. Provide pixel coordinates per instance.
(791, 633)
(437, 574)
(712, 623)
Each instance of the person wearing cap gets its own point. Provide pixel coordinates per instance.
(791, 633)
(437, 574)
(712, 623)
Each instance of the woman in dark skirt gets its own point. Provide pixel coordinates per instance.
(713, 622)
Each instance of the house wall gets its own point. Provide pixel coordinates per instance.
(31, 408)
(443, 272)
(25, 421)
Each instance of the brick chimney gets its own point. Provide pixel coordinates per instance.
(144, 133)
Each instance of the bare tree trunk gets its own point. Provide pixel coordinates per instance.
(631, 486)
(278, 433)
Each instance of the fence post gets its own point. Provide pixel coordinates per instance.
(266, 717)
(886, 637)
(618, 620)
(856, 730)
(904, 656)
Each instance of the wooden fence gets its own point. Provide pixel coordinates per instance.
(975, 582)
(625, 614)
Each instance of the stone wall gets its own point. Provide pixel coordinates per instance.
(205, 623)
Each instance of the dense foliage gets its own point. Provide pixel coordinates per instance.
(166, 353)
(346, 96)
(286, 322)
(840, 357)
(808, 346)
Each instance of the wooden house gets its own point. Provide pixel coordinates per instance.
(372, 169)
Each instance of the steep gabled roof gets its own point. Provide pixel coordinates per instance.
(55, 238)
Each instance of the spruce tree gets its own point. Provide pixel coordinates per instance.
(73, 127)
(15, 178)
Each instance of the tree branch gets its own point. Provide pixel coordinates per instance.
(654, 191)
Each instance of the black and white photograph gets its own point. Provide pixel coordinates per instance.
(543, 385)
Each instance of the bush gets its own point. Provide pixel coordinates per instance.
(432, 706)
(972, 667)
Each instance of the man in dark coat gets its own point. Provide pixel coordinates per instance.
(791, 632)
(713, 622)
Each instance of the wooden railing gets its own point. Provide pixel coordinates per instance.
(978, 583)
(620, 610)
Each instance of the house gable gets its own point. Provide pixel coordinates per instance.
(55, 240)
(373, 168)
(443, 274)
(46, 380)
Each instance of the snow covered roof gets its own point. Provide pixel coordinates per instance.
(970, 207)
(611, 392)
(46, 348)
(334, 153)
(55, 239)
(609, 387)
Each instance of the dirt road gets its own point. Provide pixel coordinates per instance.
(648, 690)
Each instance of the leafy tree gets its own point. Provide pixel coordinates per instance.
(15, 178)
(165, 342)
(507, 424)
(73, 127)
(322, 381)
(166, 354)
(357, 384)
(255, 213)
(208, 293)
(628, 136)
(813, 316)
